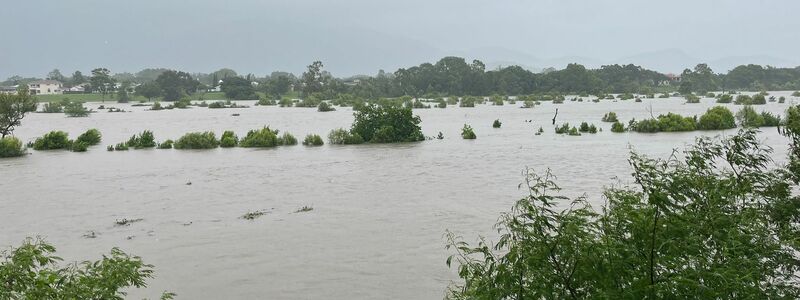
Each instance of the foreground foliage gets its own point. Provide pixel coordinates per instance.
(13, 109)
(32, 272)
(717, 224)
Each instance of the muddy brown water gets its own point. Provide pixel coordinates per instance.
(380, 211)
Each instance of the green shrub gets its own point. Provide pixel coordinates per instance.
(11, 147)
(467, 133)
(760, 98)
(228, 140)
(692, 98)
(76, 109)
(324, 107)
(53, 108)
(610, 117)
(32, 272)
(91, 137)
(110, 148)
(617, 127)
(166, 144)
(725, 98)
(770, 120)
(77, 146)
(217, 104)
(796, 94)
(675, 122)
(287, 139)
(313, 140)
(142, 140)
(121, 147)
(197, 140)
(585, 127)
(384, 124)
(527, 104)
(687, 220)
(748, 117)
(53, 140)
(156, 106)
(441, 104)
(563, 129)
(782, 99)
(266, 102)
(743, 100)
(573, 132)
(342, 136)
(646, 125)
(717, 118)
(467, 102)
(260, 138)
(497, 123)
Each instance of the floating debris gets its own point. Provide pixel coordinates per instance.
(304, 209)
(189, 183)
(90, 234)
(254, 214)
(126, 222)
(235, 115)
(187, 224)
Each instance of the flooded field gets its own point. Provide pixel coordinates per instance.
(379, 211)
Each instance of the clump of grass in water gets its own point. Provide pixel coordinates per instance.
(304, 209)
(254, 214)
(126, 222)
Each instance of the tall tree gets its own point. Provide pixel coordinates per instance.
(14, 107)
(55, 74)
(77, 78)
(175, 84)
(312, 78)
(148, 90)
(102, 82)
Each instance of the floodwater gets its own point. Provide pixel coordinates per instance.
(380, 211)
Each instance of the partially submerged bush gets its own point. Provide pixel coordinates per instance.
(75, 109)
(670, 122)
(287, 139)
(313, 140)
(145, 139)
(165, 144)
(54, 140)
(384, 124)
(610, 117)
(197, 140)
(324, 106)
(53, 108)
(91, 137)
(748, 117)
(716, 118)
(260, 138)
(156, 106)
(617, 127)
(11, 147)
(497, 123)
(228, 140)
(342, 136)
(121, 147)
(467, 133)
(587, 128)
(692, 98)
(725, 98)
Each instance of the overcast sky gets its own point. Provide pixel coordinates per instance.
(362, 36)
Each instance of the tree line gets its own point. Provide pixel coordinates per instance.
(450, 76)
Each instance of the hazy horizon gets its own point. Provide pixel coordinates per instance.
(355, 37)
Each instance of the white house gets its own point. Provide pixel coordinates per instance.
(11, 90)
(45, 87)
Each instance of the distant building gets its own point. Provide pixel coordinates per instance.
(46, 87)
(11, 90)
(78, 89)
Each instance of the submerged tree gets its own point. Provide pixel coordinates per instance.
(717, 224)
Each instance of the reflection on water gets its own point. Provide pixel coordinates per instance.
(379, 210)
